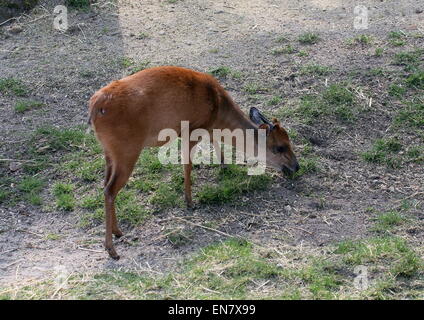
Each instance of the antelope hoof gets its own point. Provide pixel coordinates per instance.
(112, 253)
(118, 233)
(190, 205)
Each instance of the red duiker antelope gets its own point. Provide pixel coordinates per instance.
(127, 116)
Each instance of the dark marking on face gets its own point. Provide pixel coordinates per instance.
(279, 149)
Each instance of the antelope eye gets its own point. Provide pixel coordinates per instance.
(280, 149)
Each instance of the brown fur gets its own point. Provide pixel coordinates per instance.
(127, 116)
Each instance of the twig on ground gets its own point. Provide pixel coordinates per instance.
(204, 227)
(302, 229)
(16, 160)
(30, 232)
(90, 250)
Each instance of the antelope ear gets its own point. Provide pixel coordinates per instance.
(255, 116)
(266, 127)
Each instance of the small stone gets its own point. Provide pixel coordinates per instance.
(161, 32)
(15, 29)
(419, 10)
(14, 166)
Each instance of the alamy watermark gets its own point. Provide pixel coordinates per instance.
(361, 280)
(250, 147)
(360, 21)
(60, 21)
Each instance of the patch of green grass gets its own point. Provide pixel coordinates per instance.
(89, 170)
(321, 278)
(254, 88)
(224, 72)
(388, 220)
(384, 151)
(78, 4)
(13, 86)
(412, 115)
(336, 100)
(38, 164)
(282, 38)
(416, 80)
(377, 72)
(3, 195)
(178, 237)
(340, 99)
(166, 196)
(47, 139)
(126, 62)
(392, 251)
(140, 66)
(362, 39)
(23, 106)
(283, 50)
(64, 194)
(409, 60)
(397, 38)
(416, 154)
(221, 72)
(129, 209)
(52, 236)
(87, 74)
(303, 53)
(149, 162)
(274, 101)
(378, 52)
(93, 202)
(397, 90)
(397, 42)
(239, 265)
(338, 95)
(142, 35)
(315, 69)
(232, 269)
(31, 188)
(309, 38)
(307, 164)
(397, 34)
(237, 269)
(232, 182)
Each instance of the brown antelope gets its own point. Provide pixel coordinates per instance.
(127, 116)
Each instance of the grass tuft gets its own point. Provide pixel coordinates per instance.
(232, 182)
(315, 69)
(31, 188)
(23, 106)
(13, 86)
(63, 193)
(384, 151)
(309, 38)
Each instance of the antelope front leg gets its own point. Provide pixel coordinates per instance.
(186, 154)
(187, 185)
(219, 153)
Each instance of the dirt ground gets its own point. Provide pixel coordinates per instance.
(314, 211)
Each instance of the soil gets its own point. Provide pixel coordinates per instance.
(313, 211)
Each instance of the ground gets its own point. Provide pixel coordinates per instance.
(352, 101)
